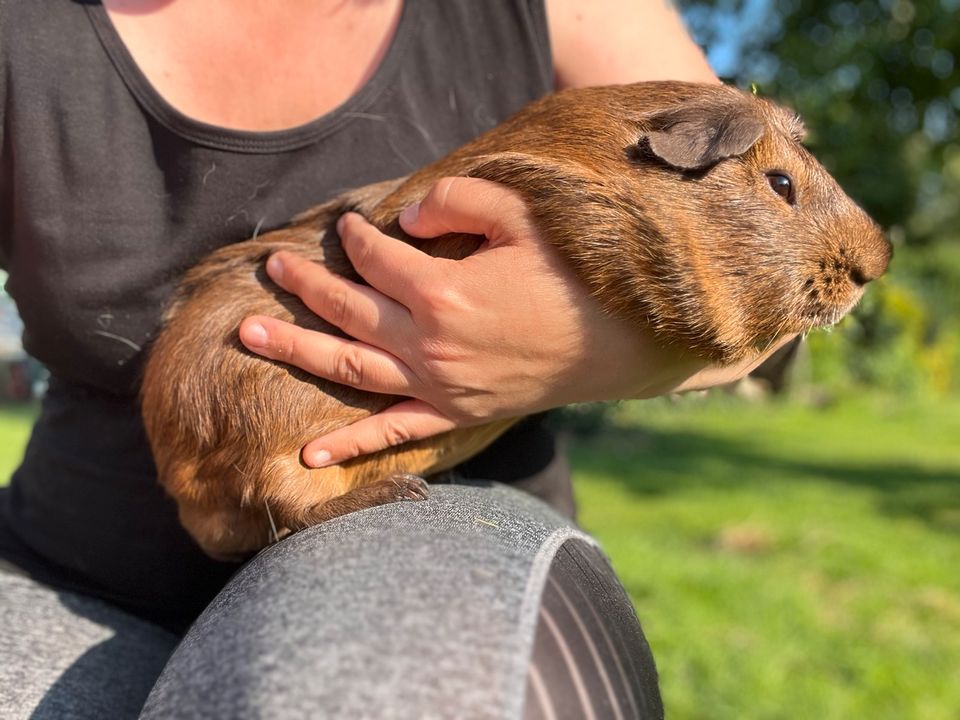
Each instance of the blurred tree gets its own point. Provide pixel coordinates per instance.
(877, 83)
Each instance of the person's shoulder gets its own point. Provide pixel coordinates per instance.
(28, 26)
(39, 39)
(13, 10)
(21, 17)
(24, 8)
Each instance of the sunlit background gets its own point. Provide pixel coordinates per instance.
(794, 554)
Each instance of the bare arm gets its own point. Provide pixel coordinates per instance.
(605, 42)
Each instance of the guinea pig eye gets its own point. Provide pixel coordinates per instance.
(782, 185)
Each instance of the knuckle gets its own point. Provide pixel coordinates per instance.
(360, 251)
(444, 187)
(443, 298)
(439, 360)
(295, 273)
(348, 366)
(353, 448)
(284, 351)
(290, 351)
(395, 434)
(438, 197)
(338, 307)
(283, 344)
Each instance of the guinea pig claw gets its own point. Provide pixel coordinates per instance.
(410, 487)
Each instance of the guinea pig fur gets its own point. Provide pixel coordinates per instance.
(688, 209)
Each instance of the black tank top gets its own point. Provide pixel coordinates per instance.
(107, 194)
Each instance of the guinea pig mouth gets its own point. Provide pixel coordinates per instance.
(819, 314)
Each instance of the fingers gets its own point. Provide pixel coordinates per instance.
(358, 310)
(466, 205)
(404, 422)
(455, 204)
(395, 268)
(343, 361)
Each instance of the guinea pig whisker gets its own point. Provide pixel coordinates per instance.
(273, 525)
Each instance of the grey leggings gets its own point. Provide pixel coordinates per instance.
(478, 603)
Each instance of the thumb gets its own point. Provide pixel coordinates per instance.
(468, 205)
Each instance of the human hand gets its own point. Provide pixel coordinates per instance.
(507, 331)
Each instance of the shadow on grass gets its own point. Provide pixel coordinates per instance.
(654, 462)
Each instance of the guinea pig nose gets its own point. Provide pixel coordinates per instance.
(858, 276)
(869, 264)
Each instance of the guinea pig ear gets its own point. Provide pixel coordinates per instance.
(697, 136)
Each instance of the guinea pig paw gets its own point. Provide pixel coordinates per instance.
(409, 487)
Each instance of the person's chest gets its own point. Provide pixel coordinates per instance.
(255, 65)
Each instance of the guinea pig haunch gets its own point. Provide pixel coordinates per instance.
(689, 210)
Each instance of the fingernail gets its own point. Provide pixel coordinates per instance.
(275, 268)
(255, 334)
(410, 214)
(320, 458)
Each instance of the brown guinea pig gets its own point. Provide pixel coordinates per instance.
(688, 209)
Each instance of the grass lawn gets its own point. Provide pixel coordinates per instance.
(15, 421)
(786, 561)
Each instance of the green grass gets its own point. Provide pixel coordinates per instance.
(786, 561)
(15, 421)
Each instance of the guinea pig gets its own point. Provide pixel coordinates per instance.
(690, 210)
